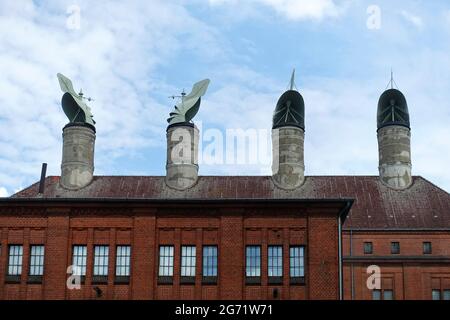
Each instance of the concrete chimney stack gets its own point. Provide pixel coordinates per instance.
(77, 167)
(182, 156)
(288, 166)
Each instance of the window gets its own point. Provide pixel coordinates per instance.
(123, 254)
(37, 260)
(436, 294)
(427, 248)
(253, 264)
(79, 255)
(101, 254)
(388, 295)
(395, 247)
(446, 294)
(368, 247)
(275, 263)
(376, 294)
(15, 260)
(297, 264)
(165, 264)
(210, 264)
(188, 264)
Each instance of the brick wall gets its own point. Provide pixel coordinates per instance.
(231, 229)
(411, 274)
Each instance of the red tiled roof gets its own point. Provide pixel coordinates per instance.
(421, 206)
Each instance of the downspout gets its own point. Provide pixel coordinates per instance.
(351, 267)
(340, 258)
(341, 271)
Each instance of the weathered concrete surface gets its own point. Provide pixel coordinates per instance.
(182, 157)
(288, 165)
(394, 147)
(77, 166)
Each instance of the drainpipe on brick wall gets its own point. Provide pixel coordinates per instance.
(340, 257)
(352, 277)
(341, 278)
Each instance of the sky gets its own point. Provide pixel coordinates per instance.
(130, 56)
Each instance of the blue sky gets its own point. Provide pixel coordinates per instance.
(131, 55)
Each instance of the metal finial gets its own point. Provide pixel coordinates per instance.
(391, 82)
(392, 79)
(292, 84)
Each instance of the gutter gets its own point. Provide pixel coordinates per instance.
(44, 200)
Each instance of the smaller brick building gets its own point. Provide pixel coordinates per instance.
(161, 244)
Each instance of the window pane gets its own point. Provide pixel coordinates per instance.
(79, 259)
(436, 295)
(188, 261)
(388, 295)
(15, 260)
(37, 260)
(275, 261)
(166, 261)
(101, 254)
(296, 261)
(253, 261)
(446, 294)
(123, 260)
(427, 247)
(368, 247)
(210, 261)
(395, 247)
(376, 295)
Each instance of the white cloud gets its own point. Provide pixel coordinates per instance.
(303, 9)
(292, 9)
(113, 57)
(413, 19)
(3, 192)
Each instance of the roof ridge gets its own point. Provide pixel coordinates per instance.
(433, 184)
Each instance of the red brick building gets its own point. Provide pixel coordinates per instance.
(404, 232)
(232, 213)
(234, 222)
